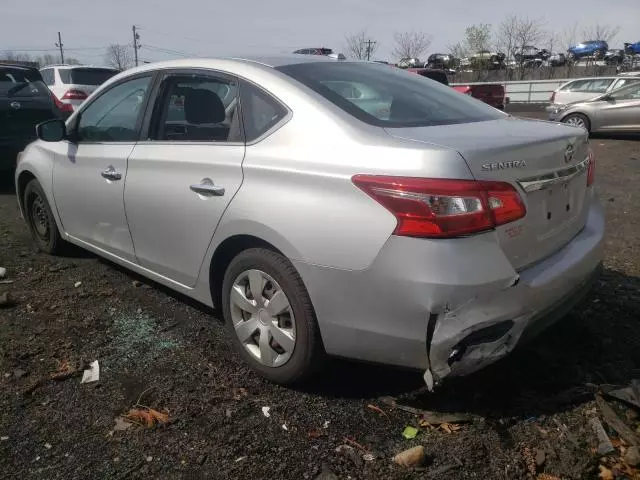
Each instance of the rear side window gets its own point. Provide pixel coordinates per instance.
(86, 76)
(48, 76)
(260, 111)
(389, 97)
(21, 82)
(599, 85)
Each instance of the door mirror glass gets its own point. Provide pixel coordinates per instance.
(52, 130)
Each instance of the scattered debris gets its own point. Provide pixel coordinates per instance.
(434, 418)
(632, 457)
(368, 457)
(147, 417)
(284, 427)
(6, 282)
(239, 393)
(6, 300)
(3, 272)
(149, 459)
(604, 443)
(240, 459)
(18, 373)
(449, 427)
(377, 409)
(4, 439)
(409, 432)
(121, 425)
(350, 452)
(136, 283)
(48, 446)
(630, 395)
(91, 374)
(352, 442)
(541, 458)
(314, 433)
(605, 473)
(529, 460)
(64, 371)
(77, 284)
(413, 457)
(615, 423)
(326, 424)
(265, 411)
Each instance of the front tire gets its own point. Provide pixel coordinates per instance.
(578, 120)
(270, 318)
(40, 219)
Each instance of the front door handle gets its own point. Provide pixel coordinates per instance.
(207, 188)
(111, 173)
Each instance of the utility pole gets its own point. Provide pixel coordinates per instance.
(60, 45)
(136, 45)
(370, 44)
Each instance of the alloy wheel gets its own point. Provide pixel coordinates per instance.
(576, 122)
(262, 318)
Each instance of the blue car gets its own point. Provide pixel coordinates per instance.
(632, 48)
(592, 48)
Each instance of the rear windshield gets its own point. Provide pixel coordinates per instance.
(86, 76)
(18, 82)
(389, 97)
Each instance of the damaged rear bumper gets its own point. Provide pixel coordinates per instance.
(449, 307)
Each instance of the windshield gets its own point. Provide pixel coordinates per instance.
(86, 76)
(21, 82)
(389, 97)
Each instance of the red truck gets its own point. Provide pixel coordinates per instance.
(490, 93)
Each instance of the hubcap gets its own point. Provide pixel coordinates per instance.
(576, 121)
(39, 217)
(262, 318)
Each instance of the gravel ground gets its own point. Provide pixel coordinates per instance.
(165, 352)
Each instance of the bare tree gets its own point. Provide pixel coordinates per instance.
(360, 46)
(601, 32)
(477, 37)
(458, 50)
(118, 56)
(411, 44)
(506, 37)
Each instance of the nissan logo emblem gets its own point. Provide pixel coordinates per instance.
(15, 105)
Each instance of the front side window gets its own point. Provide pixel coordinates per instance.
(196, 108)
(389, 97)
(114, 116)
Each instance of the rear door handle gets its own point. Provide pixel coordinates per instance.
(111, 173)
(207, 188)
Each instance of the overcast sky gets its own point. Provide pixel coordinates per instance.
(210, 28)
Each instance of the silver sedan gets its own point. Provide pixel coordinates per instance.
(617, 111)
(329, 208)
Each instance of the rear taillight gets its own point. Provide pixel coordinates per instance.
(443, 208)
(591, 170)
(74, 95)
(553, 97)
(63, 107)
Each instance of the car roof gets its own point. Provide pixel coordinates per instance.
(18, 66)
(71, 67)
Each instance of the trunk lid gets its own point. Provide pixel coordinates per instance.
(545, 161)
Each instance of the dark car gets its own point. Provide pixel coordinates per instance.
(531, 54)
(557, 59)
(315, 51)
(443, 61)
(25, 101)
(437, 75)
(614, 57)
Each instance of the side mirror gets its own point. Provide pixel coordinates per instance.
(52, 130)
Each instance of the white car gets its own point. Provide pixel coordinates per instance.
(72, 84)
(582, 89)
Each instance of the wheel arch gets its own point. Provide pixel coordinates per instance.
(579, 112)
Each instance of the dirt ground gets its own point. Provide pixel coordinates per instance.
(165, 352)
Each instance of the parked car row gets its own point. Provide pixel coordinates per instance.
(421, 228)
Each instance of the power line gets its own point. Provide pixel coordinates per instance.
(169, 51)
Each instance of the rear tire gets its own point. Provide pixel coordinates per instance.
(40, 219)
(578, 120)
(255, 329)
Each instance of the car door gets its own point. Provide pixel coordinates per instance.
(620, 110)
(183, 176)
(90, 169)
